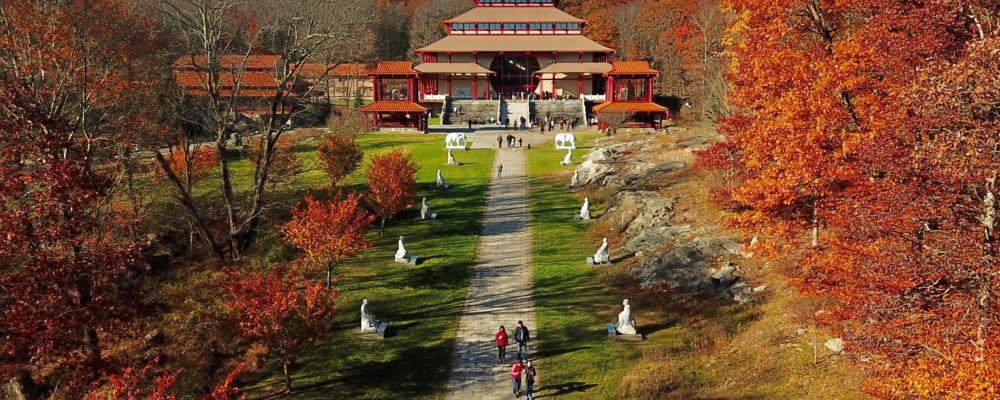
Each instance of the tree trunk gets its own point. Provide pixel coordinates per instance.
(815, 226)
(185, 199)
(382, 228)
(288, 377)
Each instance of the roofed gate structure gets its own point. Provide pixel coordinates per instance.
(505, 52)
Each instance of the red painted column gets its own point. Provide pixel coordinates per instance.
(579, 82)
(649, 89)
(609, 89)
(475, 87)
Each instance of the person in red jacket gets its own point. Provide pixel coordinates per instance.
(501, 338)
(515, 377)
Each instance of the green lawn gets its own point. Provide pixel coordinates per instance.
(422, 302)
(576, 358)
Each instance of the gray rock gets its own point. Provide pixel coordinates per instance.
(740, 292)
(835, 345)
(20, 387)
(683, 266)
(760, 288)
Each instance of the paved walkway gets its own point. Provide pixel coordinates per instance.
(500, 288)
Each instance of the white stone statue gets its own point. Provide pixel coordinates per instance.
(585, 210)
(626, 323)
(601, 256)
(401, 251)
(568, 160)
(456, 140)
(576, 180)
(425, 211)
(565, 141)
(451, 158)
(369, 323)
(440, 181)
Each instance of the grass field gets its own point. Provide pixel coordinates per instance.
(577, 361)
(422, 302)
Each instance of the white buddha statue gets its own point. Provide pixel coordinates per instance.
(575, 181)
(425, 212)
(585, 210)
(369, 323)
(626, 323)
(451, 158)
(602, 255)
(401, 251)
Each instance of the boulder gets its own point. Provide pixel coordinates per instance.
(20, 387)
(637, 211)
(740, 292)
(683, 265)
(835, 345)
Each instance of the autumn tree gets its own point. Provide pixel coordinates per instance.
(863, 120)
(65, 246)
(137, 384)
(285, 163)
(425, 23)
(392, 185)
(329, 232)
(219, 37)
(281, 311)
(339, 151)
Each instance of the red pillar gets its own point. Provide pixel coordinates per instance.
(579, 83)
(475, 87)
(649, 89)
(609, 89)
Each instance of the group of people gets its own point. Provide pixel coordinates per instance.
(512, 141)
(523, 369)
(550, 123)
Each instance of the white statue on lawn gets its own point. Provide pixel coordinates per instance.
(440, 181)
(369, 323)
(425, 212)
(568, 160)
(585, 210)
(626, 323)
(601, 256)
(576, 180)
(451, 158)
(401, 251)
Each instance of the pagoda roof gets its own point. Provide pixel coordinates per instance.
(227, 79)
(514, 14)
(515, 44)
(629, 107)
(576, 68)
(631, 68)
(394, 68)
(452, 68)
(394, 107)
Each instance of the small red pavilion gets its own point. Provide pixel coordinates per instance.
(395, 103)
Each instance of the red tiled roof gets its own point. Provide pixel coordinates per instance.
(631, 68)
(453, 68)
(230, 61)
(515, 14)
(316, 70)
(394, 68)
(227, 79)
(507, 43)
(243, 93)
(394, 106)
(629, 107)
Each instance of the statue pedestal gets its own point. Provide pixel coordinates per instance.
(412, 260)
(614, 335)
(590, 262)
(377, 334)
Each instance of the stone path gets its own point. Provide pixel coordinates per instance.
(500, 288)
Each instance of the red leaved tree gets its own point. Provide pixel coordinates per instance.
(281, 311)
(392, 185)
(329, 232)
(136, 384)
(340, 155)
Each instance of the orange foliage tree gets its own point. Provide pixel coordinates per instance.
(281, 311)
(340, 155)
(392, 186)
(329, 232)
(859, 139)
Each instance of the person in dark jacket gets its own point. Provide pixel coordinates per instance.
(500, 141)
(501, 338)
(522, 336)
(529, 381)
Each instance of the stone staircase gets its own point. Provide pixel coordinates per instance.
(560, 109)
(515, 109)
(483, 110)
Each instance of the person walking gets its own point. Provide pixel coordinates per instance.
(499, 141)
(520, 142)
(529, 381)
(501, 336)
(522, 336)
(515, 377)
(470, 124)
(499, 175)
(524, 123)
